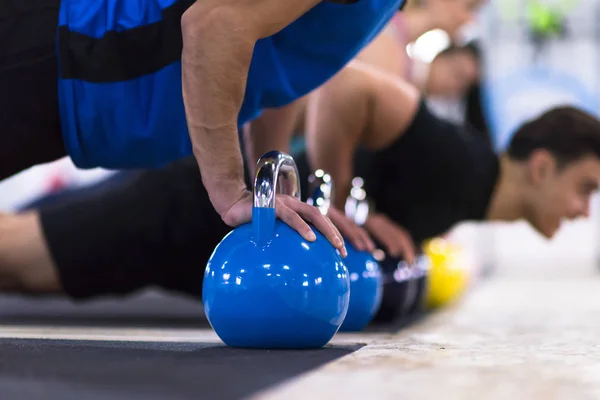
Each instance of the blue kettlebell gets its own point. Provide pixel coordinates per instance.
(366, 286)
(264, 285)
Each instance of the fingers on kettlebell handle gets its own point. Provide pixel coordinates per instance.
(358, 238)
(324, 225)
(291, 217)
(328, 229)
(393, 249)
(347, 230)
(410, 251)
(357, 241)
(356, 235)
(395, 246)
(368, 242)
(338, 242)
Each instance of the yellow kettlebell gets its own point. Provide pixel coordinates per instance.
(447, 279)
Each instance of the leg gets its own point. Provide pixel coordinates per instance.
(361, 106)
(29, 118)
(158, 229)
(26, 265)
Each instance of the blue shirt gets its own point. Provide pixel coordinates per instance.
(120, 93)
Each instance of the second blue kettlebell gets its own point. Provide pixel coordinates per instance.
(366, 286)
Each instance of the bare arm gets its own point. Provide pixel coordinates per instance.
(218, 42)
(273, 130)
(337, 117)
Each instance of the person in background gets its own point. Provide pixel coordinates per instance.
(159, 229)
(138, 84)
(388, 50)
(453, 88)
(394, 248)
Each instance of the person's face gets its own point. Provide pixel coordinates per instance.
(560, 193)
(451, 75)
(451, 15)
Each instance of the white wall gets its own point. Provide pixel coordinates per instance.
(501, 246)
(509, 51)
(36, 181)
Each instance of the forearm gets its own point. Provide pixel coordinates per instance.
(212, 99)
(336, 120)
(218, 43)
(273, 130)
(332, 157)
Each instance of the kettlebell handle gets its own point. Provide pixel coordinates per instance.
(274, 170)
(270, 168)
(357, 205)
(321, 189)
(321, 195)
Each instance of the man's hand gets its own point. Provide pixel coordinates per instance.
(356, 235)
(218, 42)
(396, 240)
(293, 212)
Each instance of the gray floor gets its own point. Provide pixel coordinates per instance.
(528, 332)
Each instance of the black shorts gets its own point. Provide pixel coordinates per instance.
(30, 131)
(138, 230)
(155, 229)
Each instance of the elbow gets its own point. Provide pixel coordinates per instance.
(208, 19)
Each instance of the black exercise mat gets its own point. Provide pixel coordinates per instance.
(151, 309)
(93, 370)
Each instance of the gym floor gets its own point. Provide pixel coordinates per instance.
(526, 332)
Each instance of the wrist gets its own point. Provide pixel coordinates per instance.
(223, 194)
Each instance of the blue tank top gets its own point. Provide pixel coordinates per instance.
(120, 95)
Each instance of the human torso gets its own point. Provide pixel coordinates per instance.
(120, 87)
(435, 176)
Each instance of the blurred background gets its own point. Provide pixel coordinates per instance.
(526, 56)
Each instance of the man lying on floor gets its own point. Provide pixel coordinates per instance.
(139, 84)
(423, 174)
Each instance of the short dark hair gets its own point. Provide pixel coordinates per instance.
(471, 48)
(568, 133)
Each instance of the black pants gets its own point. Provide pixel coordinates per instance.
(158, 228)
(143, 229)
(30, 130)
(154, 229)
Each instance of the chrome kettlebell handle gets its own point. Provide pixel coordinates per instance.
(357, 204)
(321, 190)
(275, 170)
